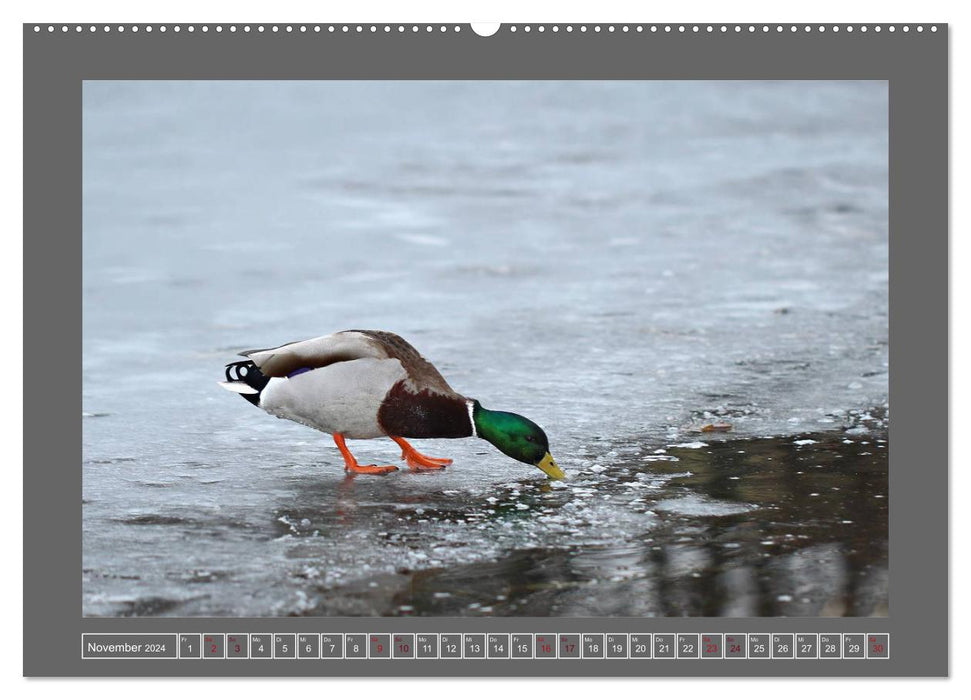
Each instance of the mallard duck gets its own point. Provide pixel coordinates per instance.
(368, 384)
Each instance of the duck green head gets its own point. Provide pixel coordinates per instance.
(517, 437)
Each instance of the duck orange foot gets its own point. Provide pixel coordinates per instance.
(416, 460)
(351, 465)
(370, 468)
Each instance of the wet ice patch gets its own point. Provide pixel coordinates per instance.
(654, 481)
(695, 505)
(660, 458)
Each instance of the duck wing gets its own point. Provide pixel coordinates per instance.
(316, 352)
(422, 374)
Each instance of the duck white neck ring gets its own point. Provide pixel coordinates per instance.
(471, 407)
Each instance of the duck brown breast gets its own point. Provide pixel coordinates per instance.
(425, 414)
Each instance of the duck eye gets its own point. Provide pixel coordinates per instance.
(530, 438)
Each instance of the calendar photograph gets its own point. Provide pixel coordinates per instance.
(572, 349)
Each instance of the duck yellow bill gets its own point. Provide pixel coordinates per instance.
(548, 465)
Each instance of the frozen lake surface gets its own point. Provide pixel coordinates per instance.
(624, 263)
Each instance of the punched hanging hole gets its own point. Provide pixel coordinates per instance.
(485, 28)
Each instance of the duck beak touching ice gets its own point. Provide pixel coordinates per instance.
(369, 384)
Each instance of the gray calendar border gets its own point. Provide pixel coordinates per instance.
(916, 66)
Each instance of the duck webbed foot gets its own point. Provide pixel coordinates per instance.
(416, 460)
(351, 465)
